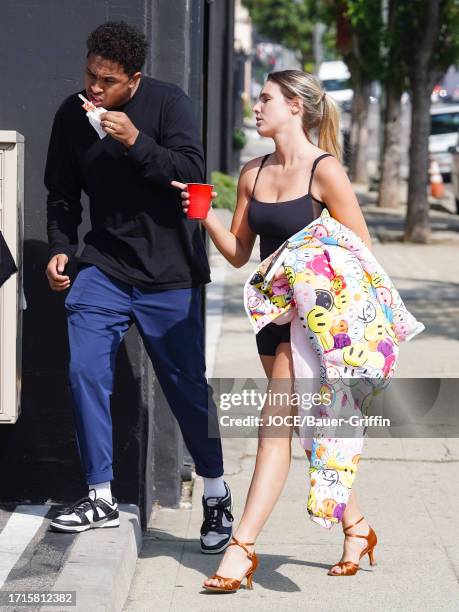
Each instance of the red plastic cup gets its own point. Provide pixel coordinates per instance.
(200, 199)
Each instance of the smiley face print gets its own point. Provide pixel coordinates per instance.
(320, 231)
(324, 298)
(321, 265)
(339, 327)
(355, 355)
(344, 240)
(341, 301)
(384, 296)
(328, 506)
(354, 269)
(319, 320)
(356, 330)
(339, 493)
(375, 331)
(290, 259)
(366, 311)
(376, 280)
(326, 477)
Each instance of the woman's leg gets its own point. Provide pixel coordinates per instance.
(271, 467)
(352, 546)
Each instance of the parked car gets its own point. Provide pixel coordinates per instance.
(439, 93)
(455, 172)
(336, 80)
(449, 86)
(444, 126)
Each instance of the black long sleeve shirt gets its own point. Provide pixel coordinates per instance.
(139, 233)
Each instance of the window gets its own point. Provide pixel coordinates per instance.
(444, 123)
(336, 84)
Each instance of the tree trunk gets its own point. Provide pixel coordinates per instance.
(389, 186)
(417, 225)
(359, 131)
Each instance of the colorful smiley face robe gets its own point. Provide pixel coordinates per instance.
(343, 306)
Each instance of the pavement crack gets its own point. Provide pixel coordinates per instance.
(447, 450)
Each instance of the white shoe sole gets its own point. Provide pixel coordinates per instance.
(215, 551)
(74, 529)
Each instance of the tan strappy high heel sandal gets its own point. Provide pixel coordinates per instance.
(232, 584)
(349, 568)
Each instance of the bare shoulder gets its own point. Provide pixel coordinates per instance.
(329, 166)
(252, 165)
(331, 180)
(249, 172)
(329, 172)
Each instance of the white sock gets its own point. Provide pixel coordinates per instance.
(103, 490)
(214, 487)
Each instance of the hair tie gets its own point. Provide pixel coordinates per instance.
(323, 96)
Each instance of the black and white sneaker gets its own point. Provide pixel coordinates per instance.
(217, 528)
(87, 513)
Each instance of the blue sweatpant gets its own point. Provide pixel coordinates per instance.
(100, 309)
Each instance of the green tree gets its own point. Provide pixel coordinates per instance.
(429, 43)
(359, 34)
(354, 28)
(394, 82)
(287, 22)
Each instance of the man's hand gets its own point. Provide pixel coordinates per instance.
(54, 271)
(120, 127)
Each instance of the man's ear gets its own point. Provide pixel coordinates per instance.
(135, 79)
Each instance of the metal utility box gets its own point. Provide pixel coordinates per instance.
(11, 293)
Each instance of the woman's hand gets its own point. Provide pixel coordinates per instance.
(236, 243)
(186, 196)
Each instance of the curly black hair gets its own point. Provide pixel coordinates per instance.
(119, 42)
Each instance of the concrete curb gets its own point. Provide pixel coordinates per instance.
(101, 565)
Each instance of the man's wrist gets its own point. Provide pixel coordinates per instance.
(54, 252)
(130, 143)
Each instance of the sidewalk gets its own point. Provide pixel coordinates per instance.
(418, 551)
(97, 565)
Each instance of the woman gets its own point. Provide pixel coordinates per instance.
(271, 202)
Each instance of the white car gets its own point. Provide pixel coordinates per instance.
(336, 80)
(444, 127)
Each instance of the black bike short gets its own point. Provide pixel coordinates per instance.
(269, 338)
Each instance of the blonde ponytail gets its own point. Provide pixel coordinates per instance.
(329, 128)
(320, 112)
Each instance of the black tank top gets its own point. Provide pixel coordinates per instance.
(277, 221)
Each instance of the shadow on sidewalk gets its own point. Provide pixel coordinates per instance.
(158, 543)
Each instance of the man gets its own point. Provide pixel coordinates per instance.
(143, 262)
